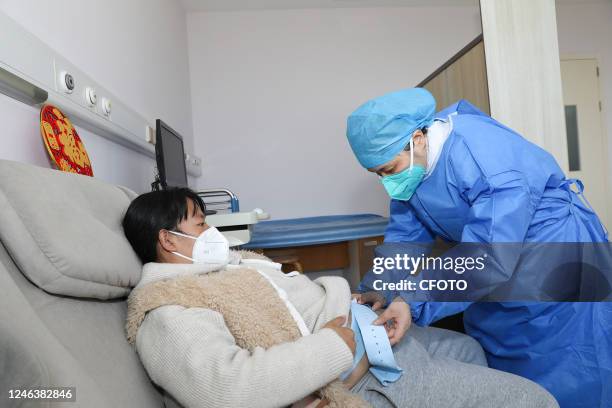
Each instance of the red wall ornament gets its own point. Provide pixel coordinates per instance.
(63, 142)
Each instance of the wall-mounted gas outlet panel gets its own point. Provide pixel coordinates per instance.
(85, 101)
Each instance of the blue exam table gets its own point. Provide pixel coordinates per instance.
(315, 230)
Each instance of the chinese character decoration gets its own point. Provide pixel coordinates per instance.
(63, 142)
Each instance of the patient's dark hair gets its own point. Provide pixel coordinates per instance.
(151, 212)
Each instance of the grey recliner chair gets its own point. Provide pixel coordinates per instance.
(65, 271)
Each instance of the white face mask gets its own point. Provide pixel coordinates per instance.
(211, 247)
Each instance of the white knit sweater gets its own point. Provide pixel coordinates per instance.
(191, 354)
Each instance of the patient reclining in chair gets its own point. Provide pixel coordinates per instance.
(220, 328)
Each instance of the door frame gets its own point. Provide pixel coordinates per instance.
(605, 139)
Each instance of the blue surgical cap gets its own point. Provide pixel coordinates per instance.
(379, 129)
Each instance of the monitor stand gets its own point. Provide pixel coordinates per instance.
(156, 184)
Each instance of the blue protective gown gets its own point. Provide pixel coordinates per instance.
(492, 185)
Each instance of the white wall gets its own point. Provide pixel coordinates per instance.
(585, 30)
(271, 91)
(137, 49)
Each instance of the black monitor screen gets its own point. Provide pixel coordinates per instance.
(170, 157)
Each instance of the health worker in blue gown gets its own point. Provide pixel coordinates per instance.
(464, 177)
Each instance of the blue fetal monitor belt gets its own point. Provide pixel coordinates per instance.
(374, 342)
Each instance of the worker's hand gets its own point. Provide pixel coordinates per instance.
(376, 299)
(396, 318)
(345, 333)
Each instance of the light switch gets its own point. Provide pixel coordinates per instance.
(150, 135)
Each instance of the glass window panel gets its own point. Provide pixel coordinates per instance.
(573, 148)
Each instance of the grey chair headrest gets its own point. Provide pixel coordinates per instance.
(64, 231)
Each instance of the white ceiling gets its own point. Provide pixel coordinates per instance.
(233, 5)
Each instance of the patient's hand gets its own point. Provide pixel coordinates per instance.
(345, 333)
(359, 371)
